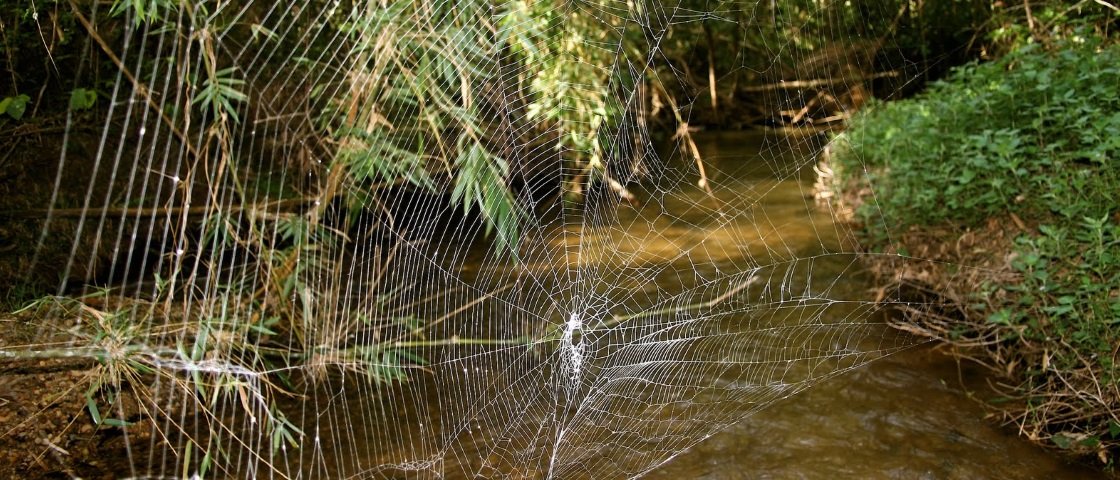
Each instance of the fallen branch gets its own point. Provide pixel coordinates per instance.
(817, 82)
(683, 133)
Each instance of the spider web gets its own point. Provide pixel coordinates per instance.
(602, 337)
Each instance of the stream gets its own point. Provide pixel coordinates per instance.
(907, 416)
(878, 405)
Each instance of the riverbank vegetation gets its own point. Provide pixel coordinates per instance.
(993, 197)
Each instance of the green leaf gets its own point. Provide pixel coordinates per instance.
(1062, 441)
(261, 329)
(283, 430)
(82, 99)
(94, 412)
(480, 182)
(140, 367)
(116, 422)
(144, 10)
(15, 106)
(187, 454)
(204, 467)
(220, 91)
(1091, 441)
(1001, 317)
(262, 31)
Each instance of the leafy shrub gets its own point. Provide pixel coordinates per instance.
(1032, 135)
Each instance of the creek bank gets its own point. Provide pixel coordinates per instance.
(988, 204)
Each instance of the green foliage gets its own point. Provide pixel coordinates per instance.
(82, 99)
(421, 100)
(382, 158)
(480, 182)
(220, 92)
(1013, 27)
(414, 106)
(142, 10)
(1069, 279)
(1032, 133)
(567, 47)
(14, 106)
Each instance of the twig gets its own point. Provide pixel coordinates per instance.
(1030, 17)
(683, 133)
(712, 91)
(1108, 5)
(467, 306)
(618, 319)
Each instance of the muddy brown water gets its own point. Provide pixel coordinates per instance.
(485, 413)
(911, 415)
